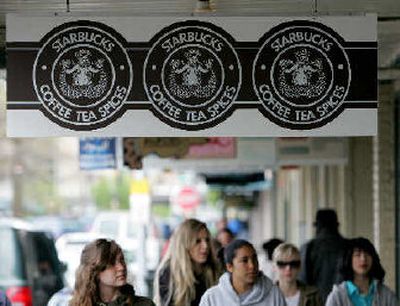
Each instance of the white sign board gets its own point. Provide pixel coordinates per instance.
(312, 151)
(253, 154)
(148, 76)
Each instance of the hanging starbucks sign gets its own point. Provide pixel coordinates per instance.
(192, 75)
(302, 75)
(82, 75)
(147, 76)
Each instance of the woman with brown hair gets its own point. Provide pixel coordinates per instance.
(101, 278)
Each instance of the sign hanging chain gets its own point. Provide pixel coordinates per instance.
(315, 6)
(67, 3)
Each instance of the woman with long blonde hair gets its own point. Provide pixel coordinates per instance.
(101, 278)
(188, 268)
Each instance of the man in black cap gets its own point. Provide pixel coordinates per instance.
(320, 255)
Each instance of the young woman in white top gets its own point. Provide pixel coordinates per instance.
(243, 284)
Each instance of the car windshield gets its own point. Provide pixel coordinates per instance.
(11, 256)
(132, 230)
(109, 227)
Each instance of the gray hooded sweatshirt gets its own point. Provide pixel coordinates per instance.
(339, 297)
(264, 292)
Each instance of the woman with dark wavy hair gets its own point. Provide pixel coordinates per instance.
(363, 276)
(101, 278)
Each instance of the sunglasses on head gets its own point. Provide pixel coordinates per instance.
(292, 264)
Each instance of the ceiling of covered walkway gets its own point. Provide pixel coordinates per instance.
(385, 8)
(388, 13)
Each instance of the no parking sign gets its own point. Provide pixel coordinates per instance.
(188, 198)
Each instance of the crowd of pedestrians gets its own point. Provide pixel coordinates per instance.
(328, 270)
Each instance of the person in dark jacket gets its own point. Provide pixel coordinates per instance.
(363, 276)
(266, 262)
(286, 259)
(188, 268)
(101, 278)
(320, 255)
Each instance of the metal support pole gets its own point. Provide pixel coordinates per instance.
(315, 6)
(397, 192)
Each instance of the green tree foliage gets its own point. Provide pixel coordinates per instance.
(161, 210)
(112, 192)
(122, 183)
(42, 197)
(213, 196)
(102, 193)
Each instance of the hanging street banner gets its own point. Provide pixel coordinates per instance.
(97, 153)
(136, 148)
(251, 155)
(215, 76)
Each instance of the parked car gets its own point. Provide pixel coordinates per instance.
(120, 226)
(58, 225)
(69, 248)
(115, 224)
(30, 269)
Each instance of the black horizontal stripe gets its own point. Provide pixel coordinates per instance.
(362, 56)
(24, 106)
(23, 45)
(361, 45)
(360, 104)
(138, 105)
(138, 45)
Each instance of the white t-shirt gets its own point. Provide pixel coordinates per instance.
(293, 300)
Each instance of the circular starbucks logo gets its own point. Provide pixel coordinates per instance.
(192, 75)
(301, 75)
(82, 75)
